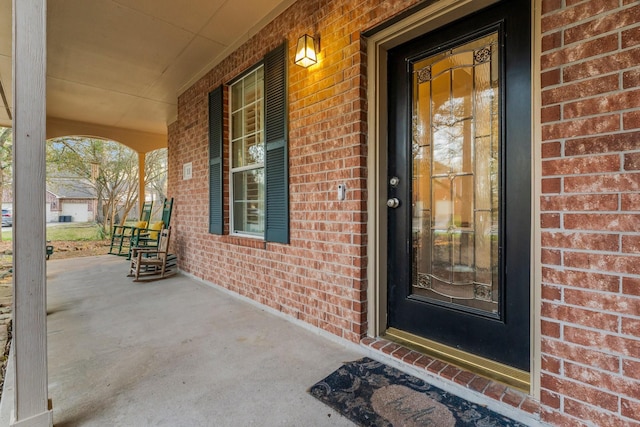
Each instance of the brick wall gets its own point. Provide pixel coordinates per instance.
(590, 212)
(590, 207)
(320, 276)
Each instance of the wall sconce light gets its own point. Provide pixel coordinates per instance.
(306, 54)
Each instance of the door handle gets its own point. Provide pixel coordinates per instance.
(393, 203)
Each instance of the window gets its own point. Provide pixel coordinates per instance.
(258, 159)
(246, 116)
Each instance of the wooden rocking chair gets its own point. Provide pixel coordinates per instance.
(146, 261)
(121, 234)
(148, 237)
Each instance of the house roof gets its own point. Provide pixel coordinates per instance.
(115, 66)
(61, 188)
(71, 188)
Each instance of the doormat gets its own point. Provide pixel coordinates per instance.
(371, 393)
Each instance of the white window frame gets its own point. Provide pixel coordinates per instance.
(260, 133)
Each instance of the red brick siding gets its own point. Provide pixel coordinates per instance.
(320, 276)
(590, 212)
(590, 207)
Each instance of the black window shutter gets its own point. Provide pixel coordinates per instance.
(215, 161)
(276, 136)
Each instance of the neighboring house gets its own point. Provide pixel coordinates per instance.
(471, 189)
(74, 200)
(51, 205)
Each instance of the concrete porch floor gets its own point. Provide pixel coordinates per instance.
(175, 352)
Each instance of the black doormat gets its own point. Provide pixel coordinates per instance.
(371, 393)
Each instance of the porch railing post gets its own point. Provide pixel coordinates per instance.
(29, 271)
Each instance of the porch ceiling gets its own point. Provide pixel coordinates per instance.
(121, 64)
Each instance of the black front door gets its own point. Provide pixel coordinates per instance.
(459, 185)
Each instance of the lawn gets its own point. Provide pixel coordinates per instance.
(70, 240)
(81, 231)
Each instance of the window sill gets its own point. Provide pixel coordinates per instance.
(248, 242)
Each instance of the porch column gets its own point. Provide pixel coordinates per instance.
(141, 195)
(29, 271)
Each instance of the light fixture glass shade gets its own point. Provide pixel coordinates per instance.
(306, 52)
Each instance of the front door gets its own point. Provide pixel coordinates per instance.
(459, 198)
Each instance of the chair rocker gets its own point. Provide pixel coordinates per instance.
(121, 234)
(147, 261)
(149, 237)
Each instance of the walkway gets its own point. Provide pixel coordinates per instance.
(176, 352)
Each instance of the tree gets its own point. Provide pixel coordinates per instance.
(6, 161)
(156, 175)
(109, 168)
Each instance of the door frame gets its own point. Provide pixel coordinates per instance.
(425, 18)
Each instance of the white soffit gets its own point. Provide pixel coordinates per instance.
(191, 60)
(123, 63)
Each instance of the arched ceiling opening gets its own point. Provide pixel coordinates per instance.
(142, 142)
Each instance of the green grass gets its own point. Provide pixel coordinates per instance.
(71, 231)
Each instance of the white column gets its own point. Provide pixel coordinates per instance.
(29, 271)
(141, 178)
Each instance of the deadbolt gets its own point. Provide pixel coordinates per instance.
(394, 181)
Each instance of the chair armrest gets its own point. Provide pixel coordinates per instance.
(121, 229)
(140, 236)
(141, 232)
(145, 249)
(138, 252)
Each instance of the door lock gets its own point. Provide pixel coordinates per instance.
(393, 203)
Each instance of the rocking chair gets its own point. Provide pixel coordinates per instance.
(121, 234)
(148, 237)
(146, 261)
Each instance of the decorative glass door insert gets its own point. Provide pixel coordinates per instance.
(455, 194)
